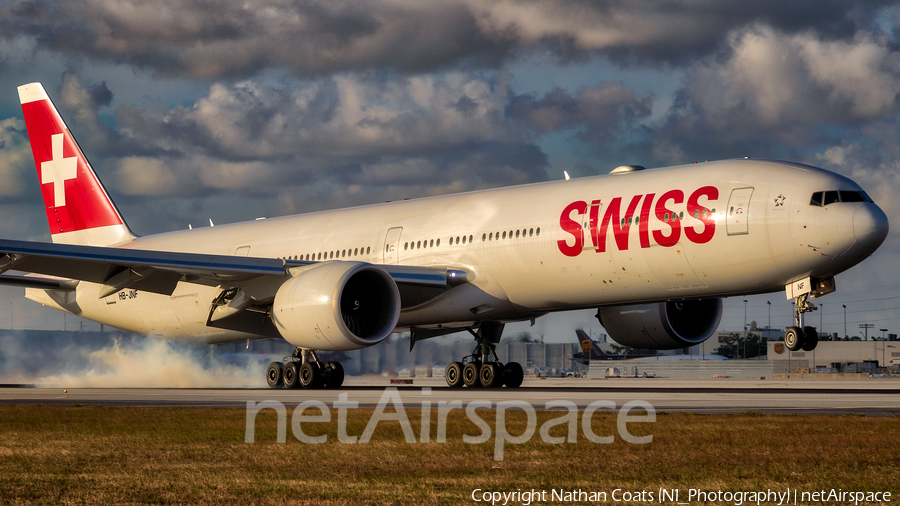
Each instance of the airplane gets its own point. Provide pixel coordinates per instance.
(653, 251)
(590, 350)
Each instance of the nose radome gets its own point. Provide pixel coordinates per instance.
(870, 226)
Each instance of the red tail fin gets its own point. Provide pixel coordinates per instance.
(79, 210)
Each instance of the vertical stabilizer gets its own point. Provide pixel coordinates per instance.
(79, 211)
(588, 346)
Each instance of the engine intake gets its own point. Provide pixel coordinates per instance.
(337, 306)
(664, 325)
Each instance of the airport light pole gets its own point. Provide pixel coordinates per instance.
(744, 340)
(866, 327)
(882, 334)
(845, 320)
(883, 343)
(769, 325)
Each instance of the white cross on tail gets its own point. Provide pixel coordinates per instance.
(58, 170)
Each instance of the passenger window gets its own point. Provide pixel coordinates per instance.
(830, 198)
(438, 242)
(367, 249)
(816, 199)
(355, 251)
(483, 237)
(464, 239)
(538, 231)
(432, 243)
(504, 234)
(517, 234)
(491, 236)
(850, 196)
(405, 245)
(666, 218)
(530, 232)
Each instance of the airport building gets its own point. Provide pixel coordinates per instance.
(837, 356)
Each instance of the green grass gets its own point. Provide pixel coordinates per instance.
(106, 455)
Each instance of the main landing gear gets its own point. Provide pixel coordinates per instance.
(304, 370)
(799, 337)
(482, 368)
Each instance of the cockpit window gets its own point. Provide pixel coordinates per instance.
(816, 199)
(830, 198)
(866, 197)
(851, 196)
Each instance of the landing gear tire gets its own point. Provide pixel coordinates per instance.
(793, 338)
(810, 339)
(513, 374)
(310, 376)
(471, 375)
(274, 375)
(453, 375)
(291, 375)
(489, 375)
(335, 375)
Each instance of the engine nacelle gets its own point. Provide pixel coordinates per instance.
(663, 325)
(337, 306)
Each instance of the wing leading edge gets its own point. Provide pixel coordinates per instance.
(160, 271)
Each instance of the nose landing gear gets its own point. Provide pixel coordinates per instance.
(799, 337)
(482, 368)
(304, 370)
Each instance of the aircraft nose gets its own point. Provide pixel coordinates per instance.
(870, 226)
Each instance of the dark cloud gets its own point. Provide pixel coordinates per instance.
(221, 38)
(600, 114)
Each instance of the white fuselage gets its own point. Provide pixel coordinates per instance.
(758, 234)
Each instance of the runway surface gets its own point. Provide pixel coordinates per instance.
(873, 397)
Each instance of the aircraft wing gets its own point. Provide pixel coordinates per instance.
(160, 271)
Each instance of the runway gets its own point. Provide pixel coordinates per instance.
(873, 397)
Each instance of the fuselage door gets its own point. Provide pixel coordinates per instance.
(392, 246)
(586, 228)
(738, 215)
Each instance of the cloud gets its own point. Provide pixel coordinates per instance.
(15, 157)
(773, 88)
(600, 113)
(231, 38)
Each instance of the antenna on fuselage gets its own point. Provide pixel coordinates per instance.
(565, 173)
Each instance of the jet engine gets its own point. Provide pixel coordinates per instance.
(663, 325)
(337, 306)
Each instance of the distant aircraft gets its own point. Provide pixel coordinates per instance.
(591, 351)
(654, 251)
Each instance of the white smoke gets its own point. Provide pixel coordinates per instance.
(137, 363)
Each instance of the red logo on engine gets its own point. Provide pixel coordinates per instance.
(588, 220)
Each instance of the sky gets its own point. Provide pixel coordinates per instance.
(191, 110)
